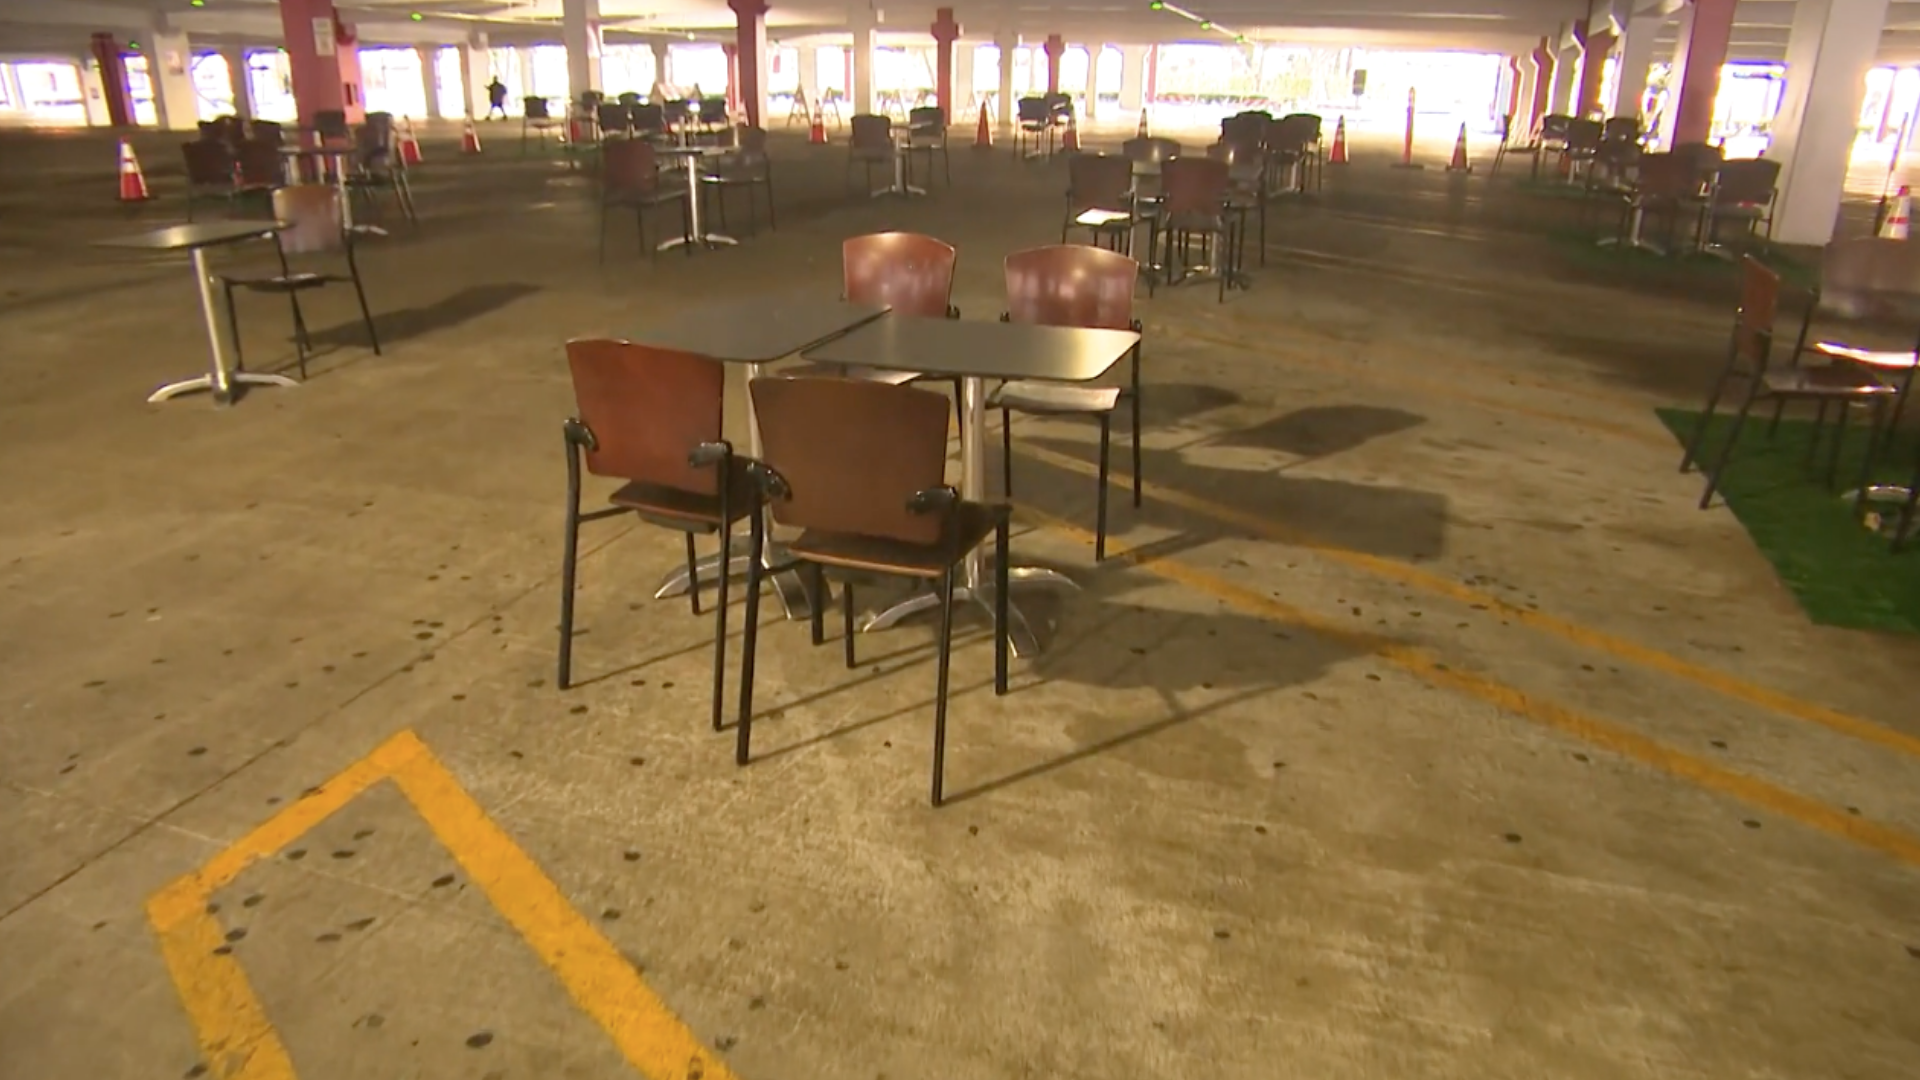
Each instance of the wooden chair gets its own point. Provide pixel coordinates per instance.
(536, 118)
(1033, 128)
(908, 273)
(630, 179)
(1749, 356)
(747, 168)
(1100, 199)
(926, 136)
(860, 467)
(651, 419)
(1195, 201)
(313, 215)
(1743, 191)
(1870, 290)
(210, 171)
(870, 144)
(1072, 285)
(1246, 185)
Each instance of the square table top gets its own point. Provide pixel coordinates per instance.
(986, 350)
(196, 235)
(758, 329)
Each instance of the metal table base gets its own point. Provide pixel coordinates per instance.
(697, 233)
(219, 379)
(1633, 238)
(900, 186)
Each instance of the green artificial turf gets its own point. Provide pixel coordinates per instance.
(1841, 573)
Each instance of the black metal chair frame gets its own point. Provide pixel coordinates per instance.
(293, 285)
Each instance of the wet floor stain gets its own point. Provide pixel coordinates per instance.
(1750, 823)
(296, 854)
(631, 856)
(363, 834)
(327, 938)
(238, 933)
(253, 900)
(479, 1039)
(358, 925)
(343, 853)
(443, 881)
(1511, 838)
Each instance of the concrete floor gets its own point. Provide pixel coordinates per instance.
(1428, 731)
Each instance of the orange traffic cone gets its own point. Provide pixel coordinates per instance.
(409, 145)
(1072, 142)
(817, 129)
(1141, 131)
(1338, 155)
(1459, 162)
(133, 182)
(1895, 227)
(470, 142)
(982, 133)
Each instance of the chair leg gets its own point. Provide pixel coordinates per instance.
(360, 294)
(1692, 452)
(945, 645)
(1870, 455)
(233, 331)
(817, 585)
(720, 620)
(743, 734)
(693, 576)
(302, 344)
(1726, 451)
(1003, 555)
(603, 233)
(1779, 410)
(1100, 512)
(1839, 443)
(1139, 468)
(846, 622)
(1006, 452)
(1819, 431)
(570, 549)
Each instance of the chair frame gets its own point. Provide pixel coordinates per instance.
(293, 285)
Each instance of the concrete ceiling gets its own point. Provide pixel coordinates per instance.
(62, 26)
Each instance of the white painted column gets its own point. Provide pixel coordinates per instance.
(1683, 30)
(1093, 80)
(170, 67)
(861, 93)
(580, 32)
(93, 92)
(662, 64)
(1133, 77)
(1830, 48)
(1566, 77)
(430, 77)
(1636, 58)
(11, 73)
(523, 55)
(1008, 42)
(476, 70)
(963, 81)
(236, 57)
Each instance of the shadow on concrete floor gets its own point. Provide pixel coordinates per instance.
(1323, 430)
(397, 326)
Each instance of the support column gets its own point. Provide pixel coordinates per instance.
(810, 74)
(860, 56)
(93, 92)
(1133, 77)
(662, 64)
(1683, 30)
(170, 70)
(1696, 69)
(1008, 43)
(111, 69)
(1829, 50)
(476, 70)
(1515, 90)
(1055, 48)
(523, 59)
(1543, 65)
(1566, 73)
(1636, 57)
(1595, 48)
(430, 77)
(963, 54)
(580, 33)
(945, 32)
(236, 57)
(325, 70)
(1093, 82)
(750, 59)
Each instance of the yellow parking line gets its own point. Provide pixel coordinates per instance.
(1720, 682)
(1604, 734)
(238, 1041)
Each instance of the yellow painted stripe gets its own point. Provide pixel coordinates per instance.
(1603, 734)
(1340, 364)
(237, 1042)
(601, 981)
(1719, 682)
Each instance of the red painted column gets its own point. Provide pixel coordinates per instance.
(749, 51)
(1056, 47)
(945, 32)
(1697, 69)
(325, 69)
(1513, 89)
(732, 53)
(113, 79)
(1542, 86)
(1594, 51)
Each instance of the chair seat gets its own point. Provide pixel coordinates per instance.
(1895, 360)
(681, 509)
(1103, 219)
(973, 523)
(1834, 380)
(813, 370)
(1048, 398)
(283, 282)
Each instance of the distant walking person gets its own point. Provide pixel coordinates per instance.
(496, 98)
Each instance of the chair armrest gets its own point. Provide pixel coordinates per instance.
(771, 484)
(710, 455)
(933, 500)
(577, 433)
(952, 312)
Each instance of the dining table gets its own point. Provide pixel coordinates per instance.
(196, 239)
(976, 353)
(755, 331)
(691, 156)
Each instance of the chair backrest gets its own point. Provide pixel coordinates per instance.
(1293, 134)
(1753, 321)
(1702, 158)
(259, 161)
(1308, 124)
(629, 166)
(1154, 151)
(870, 131)
(331, 124)
(1584, 135)
(853, 453)
(651, 118)
(1071, 285)
(1746, 182)
(1098, 182)
(535, 108)
(1666, 176)
(1245, 129)
(1872, 278)
(268, 131)
(648, 410)
(927, 118)
(1621, 129)
(713, 110)
(630, 98)
(1194, 186)
(312, 214)
(1031, 110)
(911, 273)
(612, 117)
(1554, 127)
(209, 161)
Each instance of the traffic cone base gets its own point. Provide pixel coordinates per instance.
(1338, 155)
(817, 129)
(133, 182)
(470, 141)
(983, 133)
(1459, 162)
(1072, 142)
(409, 145)
(1899, 220)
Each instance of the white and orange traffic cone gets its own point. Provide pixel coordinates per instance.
(1338, 155)
(982, 132)
(409, 144)
(1072, 141)
(1899, 218)
(817, 129)
(470, 141)
(1459, 162)
(133, 181)
(1140, 132)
